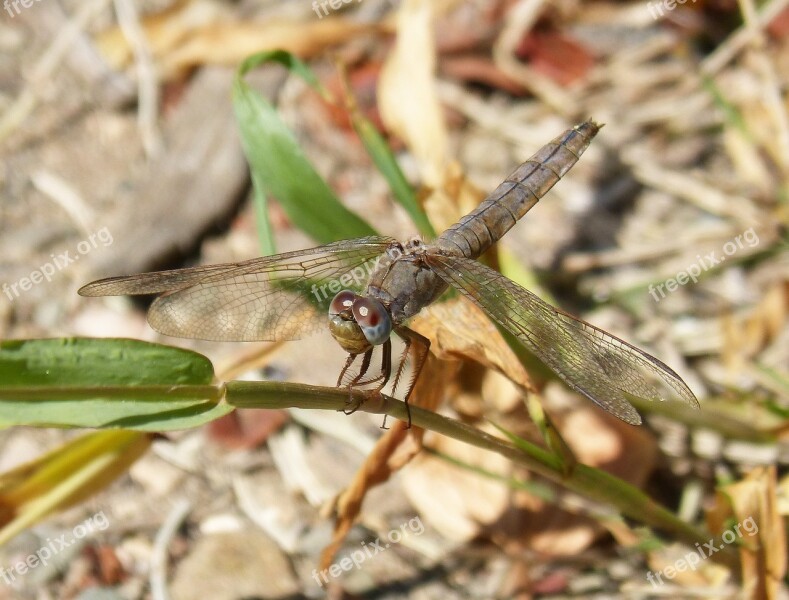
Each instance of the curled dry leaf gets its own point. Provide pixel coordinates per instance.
(600, 440)
(747, 515)
(407, 95)
(392, 452)
(374, 471)
(455, 501)
(459, 329)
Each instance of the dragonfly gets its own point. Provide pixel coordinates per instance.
(365, 289)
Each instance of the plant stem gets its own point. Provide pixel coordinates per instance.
(587, 481)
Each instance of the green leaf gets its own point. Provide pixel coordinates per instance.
(121, 383)
(107, 361)
(106, 410)
(279, 167)
(383, 158)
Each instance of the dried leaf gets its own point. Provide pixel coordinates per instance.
(759, 531)
(230, 44)
(195, 33)
(455, 198)
(407, 94)
(392, 452)
(596, 439)
(458, 328)
(555, 55)
(375, 470)
(454, 500)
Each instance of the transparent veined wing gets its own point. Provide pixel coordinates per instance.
(280, 297)
(597, 364)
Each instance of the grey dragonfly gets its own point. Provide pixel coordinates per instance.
(285, 297)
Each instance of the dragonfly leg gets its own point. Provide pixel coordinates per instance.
(383, 378)
(355, 381)
(351, 359)
(380, 379)
(386, 369)
(421, 347)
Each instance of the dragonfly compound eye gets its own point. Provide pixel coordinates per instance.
(342, 302)
(373, 319)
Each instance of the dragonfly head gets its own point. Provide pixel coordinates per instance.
(358, 322)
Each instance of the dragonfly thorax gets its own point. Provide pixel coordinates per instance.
(358, 322)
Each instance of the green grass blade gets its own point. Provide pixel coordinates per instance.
(279, 167)
(386, 163)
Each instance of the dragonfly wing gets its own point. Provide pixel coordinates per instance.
(280, 297)
(597, 364)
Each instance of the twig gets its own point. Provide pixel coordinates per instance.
(724, 53)
(148, 85)
(171, 524)
(65, 196)
(771, 86)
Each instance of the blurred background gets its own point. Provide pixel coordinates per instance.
(121, 154)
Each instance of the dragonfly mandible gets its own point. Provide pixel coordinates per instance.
(369, 287)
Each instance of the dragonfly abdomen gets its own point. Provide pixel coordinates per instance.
(477, 231)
